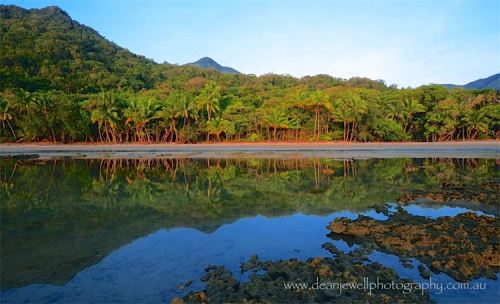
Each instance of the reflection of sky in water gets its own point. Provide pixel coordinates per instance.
(490, 295)
(438, 211)
(149, 268)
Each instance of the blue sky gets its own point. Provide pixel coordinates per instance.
(409, 43)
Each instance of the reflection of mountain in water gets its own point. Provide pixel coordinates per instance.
(59, 217)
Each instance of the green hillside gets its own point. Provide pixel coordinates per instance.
(46, 49)
(61, 81)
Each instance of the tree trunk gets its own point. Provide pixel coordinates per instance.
(51, 129)
(12, 130)
(113, 135)
(317, 121)
(353, 129)
(175, 131)
(167, 133)
(348, 134)
(345, 129)
(106, 131)
(327, 123)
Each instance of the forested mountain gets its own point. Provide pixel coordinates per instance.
(492, 82)
(46, 49)
(62, 81)
(209, 63)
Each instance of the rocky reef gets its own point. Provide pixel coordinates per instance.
(465, 246)
(485, 193)
(268, 282)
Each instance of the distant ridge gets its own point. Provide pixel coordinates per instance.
(209, 63)
(492, 82)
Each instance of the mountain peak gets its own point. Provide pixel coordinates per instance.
(13, 11)
(55, 11)
(209, 63)
(206, 59)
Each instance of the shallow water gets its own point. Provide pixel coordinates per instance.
(133, 230)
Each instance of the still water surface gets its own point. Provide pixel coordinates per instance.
(124, 230)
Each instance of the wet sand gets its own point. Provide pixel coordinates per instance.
(473, 149)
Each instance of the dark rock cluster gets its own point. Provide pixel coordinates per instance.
(268, 280)
(485, 193)
(465, 246)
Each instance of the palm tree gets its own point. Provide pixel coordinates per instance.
(105, 111)
(185, 108)
(296, 101)
(141, 112)
(276, 118)
(341, 113)
(43, 104)
(214, 126)
(6, 116)
(168, 116)
(411, 106)
(442, 122)
(97, 115)
(316, 101)
(402, 111)
(475, 124)
(349, 109)
(23, 100)
(209, 99)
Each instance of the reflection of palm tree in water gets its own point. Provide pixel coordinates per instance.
(349, 167)
(104, 190)
(220, 180)
(215, 184)
(216, 176)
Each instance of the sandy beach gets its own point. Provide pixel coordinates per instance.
(472, 149)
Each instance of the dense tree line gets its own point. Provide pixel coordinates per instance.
(61, 81)
(205, 110)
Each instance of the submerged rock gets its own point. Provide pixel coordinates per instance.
(465, 246)
(485, 193)
(280, 282)
(424, 272)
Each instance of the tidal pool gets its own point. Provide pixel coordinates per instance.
(143, 230)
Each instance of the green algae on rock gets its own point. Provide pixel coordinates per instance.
(465, 246)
